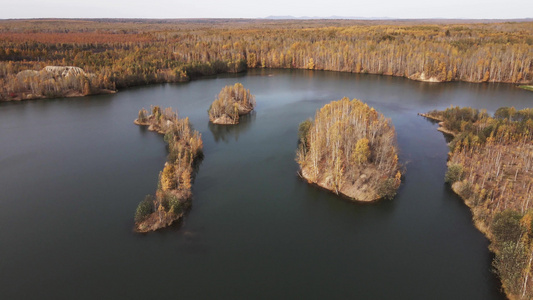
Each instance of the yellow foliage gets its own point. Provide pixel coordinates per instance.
(185, 179)
(311, 64)
(349, 140)
(168, 177)
(362, 151)
(229, 100)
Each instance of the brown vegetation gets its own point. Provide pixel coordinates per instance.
(490, 167)
(122, 53)
(54, 81)
(232, 102)
(350, 149)
(173, 195)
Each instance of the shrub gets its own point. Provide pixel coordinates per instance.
(509, 263)
(454, 173)
(144, 209)
(466, 189)
(169, 136)
(303, 130)
(143, 115)
(387, 188)
(506, 226)
(175, 204)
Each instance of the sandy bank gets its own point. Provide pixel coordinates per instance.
(359, 191)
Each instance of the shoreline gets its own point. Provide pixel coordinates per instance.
(477, 221)
(481, 227)
(68, 95)
(456, 186)
(341, 194)
(440, 121)
(224, 120)
(353, 198)
(415, 77)
(169, 220)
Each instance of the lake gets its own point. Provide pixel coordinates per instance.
(72, 172)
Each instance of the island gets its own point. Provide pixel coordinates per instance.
(232, 102)
(173, 195)
(490, 166)
(350, 149)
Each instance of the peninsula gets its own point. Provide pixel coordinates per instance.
(350, 149)
(490, 167)
(173, 195)
(232, 102)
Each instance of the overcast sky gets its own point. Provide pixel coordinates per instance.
(466, 9)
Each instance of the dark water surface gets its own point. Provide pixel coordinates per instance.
(73, 170)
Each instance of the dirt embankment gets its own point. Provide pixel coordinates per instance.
(225, 120)
(422, 77)
(360, 190)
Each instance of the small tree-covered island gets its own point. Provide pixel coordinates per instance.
(490, 166)
(350, 149)
(173, 195)
(232, 102)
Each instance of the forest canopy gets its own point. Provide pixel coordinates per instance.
(123, 53)
(350, 149)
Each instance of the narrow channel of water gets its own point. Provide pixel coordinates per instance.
(73, 170)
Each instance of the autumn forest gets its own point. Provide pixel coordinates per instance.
(350, 148)
(490, 165)
(114, 54)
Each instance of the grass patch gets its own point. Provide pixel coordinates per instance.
(526, 87)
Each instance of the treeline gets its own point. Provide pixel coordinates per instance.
(350, 148)
(48, 83)
(490, 166)
(232, 102)
(122, 54)
(173, 193)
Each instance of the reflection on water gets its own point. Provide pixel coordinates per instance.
(225, 133)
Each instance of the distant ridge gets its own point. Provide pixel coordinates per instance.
(396, 19)
(325, 18)
(277, 18)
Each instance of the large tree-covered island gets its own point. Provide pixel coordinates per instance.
(232, 102)
(490, 166)
(173, 195)
(350, 149)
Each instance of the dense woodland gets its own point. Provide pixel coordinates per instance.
(122, 53)
(173, 194)
(231, 102)
(491, 167)
(350, 148)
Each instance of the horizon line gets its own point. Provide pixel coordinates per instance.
(273, 18)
